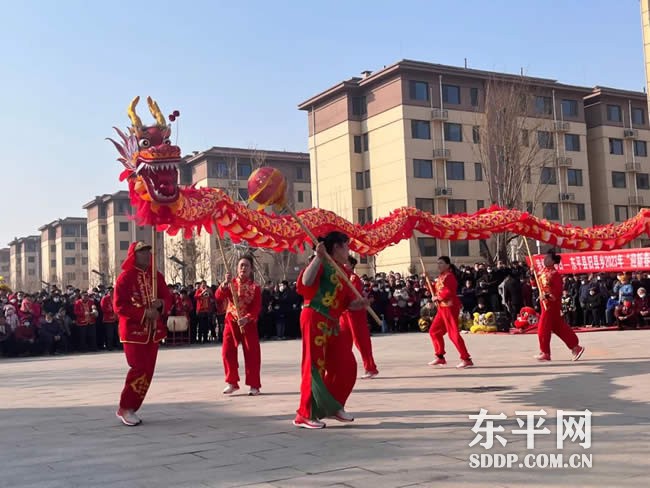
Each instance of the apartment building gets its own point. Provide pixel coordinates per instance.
(618, 135)
(111, 230)
(5, 267)
(229, 168)
(25, 263)
(64, 252)
(410, 135)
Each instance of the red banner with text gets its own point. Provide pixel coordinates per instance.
(599, 262)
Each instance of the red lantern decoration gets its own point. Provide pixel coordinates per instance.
(267, 186)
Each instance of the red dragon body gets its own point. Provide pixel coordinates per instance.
(151, 168)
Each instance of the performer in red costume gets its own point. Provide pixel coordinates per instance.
(550, 293)
(109, 317)
(141, 326)
(357, 323)
(446, 298)
(328, 364)
(241, 329)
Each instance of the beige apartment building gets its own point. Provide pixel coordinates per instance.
(64, 253)
(229, 168)
(25, 264)
(409, 135)
(618, 135)
(5, 266)
(110, 233)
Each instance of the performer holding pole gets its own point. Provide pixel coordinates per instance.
(551, 321)
(446, 320)
(244, 298)
(141, 298)
(328, 364)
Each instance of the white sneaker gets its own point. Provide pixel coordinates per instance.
(368, 375)
(128, 417)
(230, 389)
(342, 416)
(253, 392)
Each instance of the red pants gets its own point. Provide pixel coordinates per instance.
(329, 370)
(551, 321)
(357, 323)
(250, 342)
(446, 322)
(142, 360)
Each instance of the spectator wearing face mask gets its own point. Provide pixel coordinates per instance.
(594, 308)
(642, 306)
(52, 339)
(583, 294)
(612, 303)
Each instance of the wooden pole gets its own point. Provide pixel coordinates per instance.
(534, 268)
(154, 274)
(334, 264)
(429, 284)
(235, 299)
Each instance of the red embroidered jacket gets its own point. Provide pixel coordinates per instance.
(249, 299)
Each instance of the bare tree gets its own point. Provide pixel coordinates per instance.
(513, 150)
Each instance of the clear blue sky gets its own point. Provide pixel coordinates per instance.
(236, 72)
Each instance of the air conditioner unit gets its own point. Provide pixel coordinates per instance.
(439, 114)
(567, 197)
(443, 192)
(630, 133)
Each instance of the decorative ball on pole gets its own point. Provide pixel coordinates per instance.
(268, 187)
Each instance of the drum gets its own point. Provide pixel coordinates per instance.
(177, 323)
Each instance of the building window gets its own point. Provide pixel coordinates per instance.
(359, 106)
(455, 170)
(124, 227)
(185, 174)
(569, 108)
(615, 146)
(362, 179)
(480, 204)
(70, 277)
(31, 272)
(451, 94)
(638, 116)
(530, 208)
(620, 213)
(545, 139)
(300, 173)
(84, 261)
(357, 144)
(420, 129)
(361, 143)
(574, 177)
(422, 168)
(52, 263)
(220, 171)
(369, 214)
(548, 176)
(543, 105)
(103, 229)
(578, 212)
(618, 179)
(69, 231)
(572, 142)
(53, 248)
(244, 170)
(551, 211)
(614, 113)
(643, 181)
(457, 206)
(243, 194)
(419, 90)
(359, 180)
(69, 261)
(453, 132)
(301, 196)
(366, 178)
(70, 246)
(424, 204)
(459, 248)
(361, 216)
(124, 245)
(102, 211)
(84, 246)
(524, 137)
(640, 148)
(427, 246)
(476, 134)
(478, 172)
(473, 96)
(31, 259)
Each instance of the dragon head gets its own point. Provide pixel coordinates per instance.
(150, 159)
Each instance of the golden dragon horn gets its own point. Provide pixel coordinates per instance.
(155, 111)
(135, 120)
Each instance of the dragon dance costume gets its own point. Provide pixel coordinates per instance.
(328, 364)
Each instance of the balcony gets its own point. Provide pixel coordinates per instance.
(567, 197)
(443, 192)
(635, 201)
(439, 114)
(441, 154)
(633, 167)
(564, 161)
(561, 126)
(630, 134)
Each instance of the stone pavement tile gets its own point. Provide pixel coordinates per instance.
(325, 478)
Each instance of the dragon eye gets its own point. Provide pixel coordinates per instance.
(144, 143)
(168, 142)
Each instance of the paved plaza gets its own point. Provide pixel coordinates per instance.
(58, 426)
